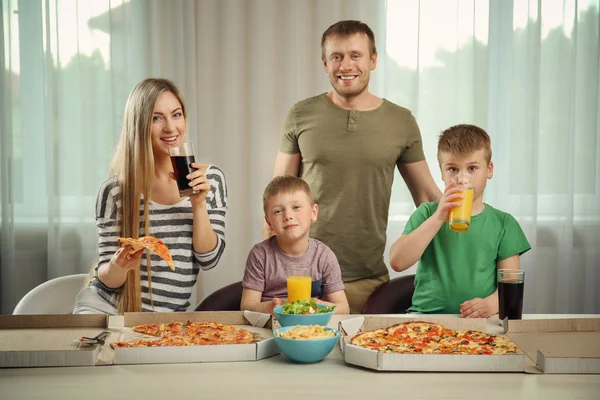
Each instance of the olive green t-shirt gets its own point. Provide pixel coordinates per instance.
(460, 266)
(348, 159)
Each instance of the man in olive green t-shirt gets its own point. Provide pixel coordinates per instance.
(346, 144)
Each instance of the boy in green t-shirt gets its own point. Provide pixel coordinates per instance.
(457, 270)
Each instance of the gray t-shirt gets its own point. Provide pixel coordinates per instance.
(266, 269)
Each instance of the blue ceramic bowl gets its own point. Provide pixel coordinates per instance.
(302, 319)
(306, 351)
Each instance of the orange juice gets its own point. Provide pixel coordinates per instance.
(460, 217)
(299, 287)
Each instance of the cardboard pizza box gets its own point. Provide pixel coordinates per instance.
(260, 325)
(423, 362)
(558, 346)
(49, 340)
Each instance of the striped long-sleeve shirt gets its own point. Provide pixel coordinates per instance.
(171, 290)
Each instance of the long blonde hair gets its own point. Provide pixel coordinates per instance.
(133, 163)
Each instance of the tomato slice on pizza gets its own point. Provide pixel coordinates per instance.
(151, 243)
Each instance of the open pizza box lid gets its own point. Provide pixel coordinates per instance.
(260, 325)
(558, 346)
(422, 362)
(50, 340)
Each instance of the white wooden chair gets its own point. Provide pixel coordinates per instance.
(56, 296)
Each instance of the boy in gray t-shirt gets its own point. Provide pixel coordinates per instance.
(289, 210)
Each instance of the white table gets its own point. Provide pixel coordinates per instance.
(279, 378)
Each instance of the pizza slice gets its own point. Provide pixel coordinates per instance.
(162, 342)
(151, 243)
(161, 330)
(211, 333)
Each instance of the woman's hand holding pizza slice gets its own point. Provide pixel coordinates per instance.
(127, 257)
(147, 242)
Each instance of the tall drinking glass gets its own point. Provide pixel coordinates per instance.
(460, 217)
(299, 283)
(182, 157)
(511, 284)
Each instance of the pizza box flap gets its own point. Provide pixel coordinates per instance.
(559, 345)
(552, 325)
(53, 321)
(49, 340)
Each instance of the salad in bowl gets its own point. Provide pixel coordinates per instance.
(302, 312)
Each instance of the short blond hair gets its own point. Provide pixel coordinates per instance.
(462, 140)
(286, 184)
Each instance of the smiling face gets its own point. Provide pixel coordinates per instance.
(473, 167)
(290, 214)
(168, 123)
(348, 62)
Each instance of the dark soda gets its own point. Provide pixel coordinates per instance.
(510, 296)
(182, 166)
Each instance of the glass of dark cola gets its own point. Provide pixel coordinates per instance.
(511, 283)
(182, 157)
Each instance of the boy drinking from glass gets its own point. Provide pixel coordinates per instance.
(289, 210)
(457, 270)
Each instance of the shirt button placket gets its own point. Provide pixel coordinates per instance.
(352, 124)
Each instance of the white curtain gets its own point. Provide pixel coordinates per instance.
(527, 71)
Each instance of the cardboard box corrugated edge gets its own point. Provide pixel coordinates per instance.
(523, 333)
(572, 365)
(51, 358)
(417, 362)
(156, 355)
(53, 321)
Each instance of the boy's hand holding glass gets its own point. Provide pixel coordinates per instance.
(451, 198)
(460, 216)
(479, 308)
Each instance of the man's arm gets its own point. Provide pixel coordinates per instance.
(287, 164)
(420, 182)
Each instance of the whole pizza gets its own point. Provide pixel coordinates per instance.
(192, 334)
(417, 337)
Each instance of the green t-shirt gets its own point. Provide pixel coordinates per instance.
(348, 160)
(460, 266)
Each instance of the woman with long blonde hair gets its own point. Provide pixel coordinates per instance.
(141, 198)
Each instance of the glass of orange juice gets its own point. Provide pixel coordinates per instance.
(299, 283)
(460, 217)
